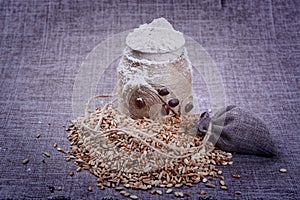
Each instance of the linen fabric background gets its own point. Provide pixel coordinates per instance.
(254, 43)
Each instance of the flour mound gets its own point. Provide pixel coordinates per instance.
(157, 37)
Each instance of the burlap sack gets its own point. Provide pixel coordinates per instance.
(241, 132)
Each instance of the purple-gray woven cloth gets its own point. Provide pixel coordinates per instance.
(255, 45)
(236, 130)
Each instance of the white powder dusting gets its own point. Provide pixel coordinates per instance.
(157, 37)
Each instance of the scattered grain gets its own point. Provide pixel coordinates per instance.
(189, 184)
(61, 150)
(236, 176)
(59, 189)
(38, 135)
(90, 189)
(222, 182)
(158, 192)
(179, 194)
(282, 170)
(169, 191)
(203, 192)
(25, 161)
(86, 167)
(178, 185)
(133, 197)
(55, 145)
(71, 173)
(209, 185)
(114, 168)
(47, 154)
(238, 192)
(126, 194)
(223, 187)
(78, 169)
(119, 188)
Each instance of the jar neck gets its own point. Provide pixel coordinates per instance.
(154, 57)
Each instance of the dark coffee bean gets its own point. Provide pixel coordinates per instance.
(188, 107)
(173, 103)
(203, 122)
(139, 102)
(163, 92)
(165, 109)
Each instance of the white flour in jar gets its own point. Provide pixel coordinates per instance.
(157, 37)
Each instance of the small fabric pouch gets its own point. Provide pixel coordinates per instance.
(239, 131)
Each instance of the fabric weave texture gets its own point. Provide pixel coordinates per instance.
(254, 43)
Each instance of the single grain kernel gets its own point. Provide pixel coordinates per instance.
(180, 194)
(61, 150)
(90, 189)
(222, 182)
(223, 187)
(133, 197)
(282, 170)
(47, 154)
(169, 191)
(126, 194)
(38, 135)
(71, 173)
(209, 185)
(158, 192)
(236, 176)
(59, 189)
(203, 192)
(25, 161)
(78, 169)
(238, 192)
(119, 188)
